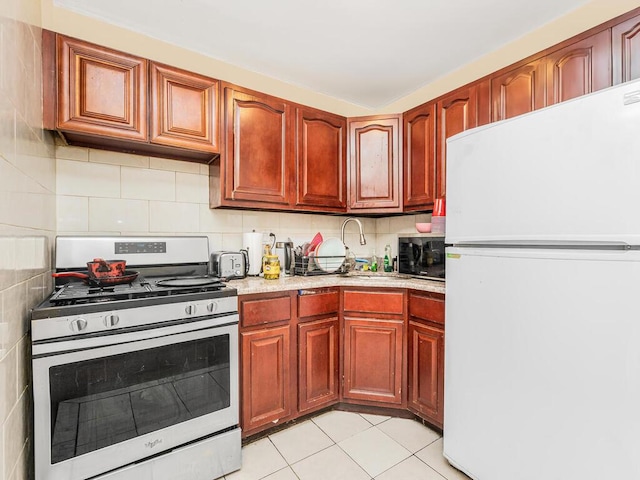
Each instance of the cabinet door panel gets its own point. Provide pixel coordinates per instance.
(256, 151)
(419, 157)
(321, 159)
(426, 371)
(375, 165)
(518, 91)
(373, 360)
(101, 91)
(626, 50)
(266, 376)
(578, 69)
(456, 113)
(184, 109)
(318, 363)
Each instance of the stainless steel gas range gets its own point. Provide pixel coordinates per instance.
(136, 378)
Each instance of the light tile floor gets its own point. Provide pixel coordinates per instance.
(348, 446)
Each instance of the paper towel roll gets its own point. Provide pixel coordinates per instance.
(253, 243)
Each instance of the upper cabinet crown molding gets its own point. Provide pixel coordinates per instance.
(99, 97)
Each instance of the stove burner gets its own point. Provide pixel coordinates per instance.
(178, 282)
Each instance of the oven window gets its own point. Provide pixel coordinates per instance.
(101, 402)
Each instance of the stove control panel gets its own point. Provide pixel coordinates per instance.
(147, 316)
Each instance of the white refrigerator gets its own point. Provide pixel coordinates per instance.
(542, 342)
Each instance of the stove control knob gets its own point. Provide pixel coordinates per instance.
(190, 309)
(111, 321)
(78, 325)
(212, 307)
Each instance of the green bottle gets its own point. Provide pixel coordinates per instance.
(387, 259)
(374, 262)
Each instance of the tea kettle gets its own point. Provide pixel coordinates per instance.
(289, 258)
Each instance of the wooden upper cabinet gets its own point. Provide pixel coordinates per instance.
(375, 164)
(184, 107)
(101, 98)
(626, 50)
(100, 91)
(580, 68)
(419, 157)
(456, 112)
(518, 91)
(321, 153)
(256, 167)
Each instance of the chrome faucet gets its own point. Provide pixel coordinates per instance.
(363, 241)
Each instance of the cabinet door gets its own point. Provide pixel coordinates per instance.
(184, 109)
(318, 357)
(101, 91)
(265, 376)
(426, 371)
(321, 152)
(518, 91)
(374, 164)
(578, 69)
(456, 113)
(256, 165)
(419, 157)
(373, 360)
(626, 50)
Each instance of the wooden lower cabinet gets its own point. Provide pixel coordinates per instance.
(426, 371)
(265, 376)
(302, 351)
(373, 360)
(267, 360)
(425, 356)
(318, 363)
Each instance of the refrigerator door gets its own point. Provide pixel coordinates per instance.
(566, 173)
(542, 364)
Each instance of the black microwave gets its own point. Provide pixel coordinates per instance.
(422, 256)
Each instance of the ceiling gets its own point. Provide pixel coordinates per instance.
(365, 52)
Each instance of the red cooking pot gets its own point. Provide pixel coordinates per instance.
(101, 268)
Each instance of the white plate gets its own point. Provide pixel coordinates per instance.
(330, 254)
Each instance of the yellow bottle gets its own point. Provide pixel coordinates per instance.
(270, 264)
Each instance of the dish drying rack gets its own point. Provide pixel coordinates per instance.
(308, 265)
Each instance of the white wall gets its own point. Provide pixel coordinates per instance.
(27, 223)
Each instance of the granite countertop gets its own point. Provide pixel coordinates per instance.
(353, 279)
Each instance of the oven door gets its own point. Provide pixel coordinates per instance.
(110, 400)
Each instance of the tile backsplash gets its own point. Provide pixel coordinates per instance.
(118, 194)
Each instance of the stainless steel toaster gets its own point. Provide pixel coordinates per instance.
(229, 265)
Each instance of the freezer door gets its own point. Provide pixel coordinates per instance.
(566, 173)
(542, 364)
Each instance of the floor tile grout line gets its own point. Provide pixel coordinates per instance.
(361, 466)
